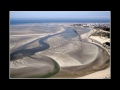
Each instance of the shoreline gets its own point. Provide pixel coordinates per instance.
(96, 40)
(99, 41)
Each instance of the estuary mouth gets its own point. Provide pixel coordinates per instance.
(60, 54)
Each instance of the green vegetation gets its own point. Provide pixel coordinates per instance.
(103, 28)
(103, 34)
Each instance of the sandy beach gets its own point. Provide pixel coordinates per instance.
(106, 74)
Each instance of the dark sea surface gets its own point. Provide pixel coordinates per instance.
(23, 21)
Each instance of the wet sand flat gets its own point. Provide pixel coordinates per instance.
(66, 57)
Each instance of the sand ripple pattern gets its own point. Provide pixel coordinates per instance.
(61, 55)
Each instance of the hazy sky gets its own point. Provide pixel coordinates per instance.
(59, 14)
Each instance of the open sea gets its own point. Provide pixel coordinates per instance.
(23, 21)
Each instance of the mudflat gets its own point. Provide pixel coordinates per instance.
(54, 51)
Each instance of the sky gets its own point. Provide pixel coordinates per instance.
(59, 14)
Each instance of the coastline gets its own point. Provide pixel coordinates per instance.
(99, 41)
(103, 74)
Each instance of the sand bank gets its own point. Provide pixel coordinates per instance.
(74, 58)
